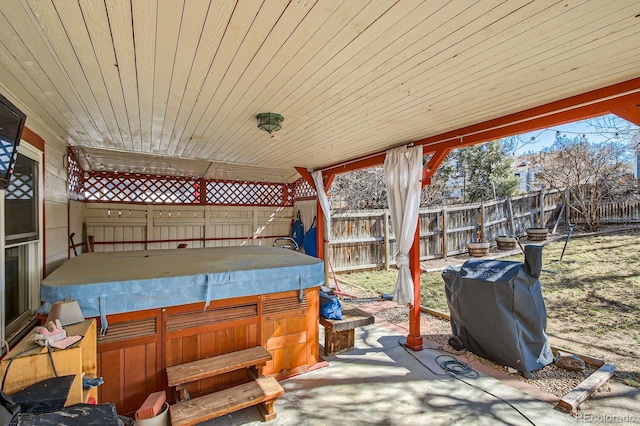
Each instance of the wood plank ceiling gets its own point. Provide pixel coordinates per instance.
(148, 85)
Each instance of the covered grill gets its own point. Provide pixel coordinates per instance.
(498, 312)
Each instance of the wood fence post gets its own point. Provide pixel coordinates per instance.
(254, 223)
(149, 235)
(512, 226)
(207, 229)
(541, 217)
(481, 222)
(387, 245)
(443, 227)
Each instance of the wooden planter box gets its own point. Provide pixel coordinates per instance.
(505, 243)
(478, 249)
(537, 234)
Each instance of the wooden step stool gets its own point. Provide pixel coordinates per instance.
(262, 391)
(339, 335)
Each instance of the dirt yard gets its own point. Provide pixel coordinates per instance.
(592, 296)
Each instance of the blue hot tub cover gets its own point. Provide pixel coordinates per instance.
(116, 282)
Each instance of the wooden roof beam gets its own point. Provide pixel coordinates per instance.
(630, 113)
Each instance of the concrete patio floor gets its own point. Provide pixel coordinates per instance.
(382, 383)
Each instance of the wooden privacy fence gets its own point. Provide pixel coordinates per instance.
(624, 212)
(125, 227)
(365, 240)
(359, 239)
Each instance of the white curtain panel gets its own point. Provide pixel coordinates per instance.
(403, 174)
(307, 209)
(324, 202)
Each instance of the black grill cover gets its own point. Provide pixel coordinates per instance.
(498, 312)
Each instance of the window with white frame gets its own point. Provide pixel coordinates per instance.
(21, 206)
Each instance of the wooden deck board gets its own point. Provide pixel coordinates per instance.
(193, 411)
(209, 367)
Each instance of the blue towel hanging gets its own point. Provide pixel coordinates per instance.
(310, 239)
(297, 231)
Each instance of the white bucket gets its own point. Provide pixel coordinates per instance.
(162, 419)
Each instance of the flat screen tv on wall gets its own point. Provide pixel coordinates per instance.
(11, 126)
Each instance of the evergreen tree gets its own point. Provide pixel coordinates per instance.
(488, 173)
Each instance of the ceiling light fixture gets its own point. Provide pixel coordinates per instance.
(269, 121)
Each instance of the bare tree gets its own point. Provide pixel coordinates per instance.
(359, 190)
(593, 173)
(613, 128)
(366, 189)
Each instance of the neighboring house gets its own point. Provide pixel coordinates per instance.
(525, 170)
(635, 145)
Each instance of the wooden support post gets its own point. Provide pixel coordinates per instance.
(202, 187)
(414, 339)
(319, 230)
(328, 180)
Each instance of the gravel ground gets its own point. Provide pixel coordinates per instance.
(555, 380)
(551, 379)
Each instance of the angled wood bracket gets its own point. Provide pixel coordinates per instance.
(326, 178)
(431, 167)
(630, 113)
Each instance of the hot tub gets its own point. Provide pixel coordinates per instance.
(159, 308)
